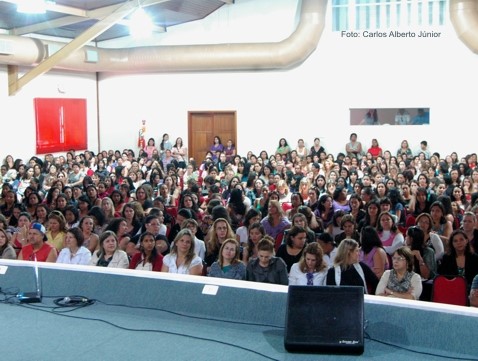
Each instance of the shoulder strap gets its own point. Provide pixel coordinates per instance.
(338, 274)
(360, 272)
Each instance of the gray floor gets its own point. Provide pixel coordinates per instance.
(104, 332)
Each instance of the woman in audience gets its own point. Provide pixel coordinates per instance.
(99, 217)
(218, 233)
(325, 210)
(266, 268)
(389, 234)
(6, 249)
(440, 225)
(424, 263)
(74, 251)
(182, 258)
(72, 216)
(349, 271)
(228, 264)
(401, 281)
(256, 233)
(424, 222)
(108, 208)
(109, 254)
(148, 258)
(348, 228)
(372, 252)
(118, 202)
(459, 259)
(311, 270)
(275, 223)
(133, 219)
(120, 228)
(56, 230)
(199, 245)
(300, 220)
(19, 237)
(291, 250)
(91, 239)
(242, 233)
(469, 227)
(357, 207)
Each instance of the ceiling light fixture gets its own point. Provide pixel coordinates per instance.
(141, 25)
(31, 6)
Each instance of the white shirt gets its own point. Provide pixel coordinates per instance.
(299, 278)
(242, 233)
(170, 261)
(82, 256)
(199, 248)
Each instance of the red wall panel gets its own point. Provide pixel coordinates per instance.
(60, 124)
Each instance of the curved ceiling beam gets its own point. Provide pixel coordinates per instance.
(464, 17)
(285, 54)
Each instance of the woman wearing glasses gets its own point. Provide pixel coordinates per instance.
(401, 281)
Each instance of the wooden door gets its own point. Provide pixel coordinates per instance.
(203, 126)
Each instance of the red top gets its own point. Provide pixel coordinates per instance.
(41, 254)
(138, 257)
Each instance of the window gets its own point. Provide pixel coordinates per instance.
(387, 14)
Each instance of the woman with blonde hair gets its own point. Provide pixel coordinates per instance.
(275, 222)
(311, 270)
(109, 208)
(218, 233)
(283, 190)
(349, 271)
(182, 258)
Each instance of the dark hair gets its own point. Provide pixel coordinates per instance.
(154, 253)
(418, 238)
(451, 248)
(294, 231)
(406, 253)
(114, 224)
(99, 214)
(251, 213)
(74, 211)
(370, 239)
(325, 237)
(78, 234)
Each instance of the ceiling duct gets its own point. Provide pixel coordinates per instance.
(285, 54)
(464, 17)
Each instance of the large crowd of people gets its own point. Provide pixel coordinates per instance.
(389, 221)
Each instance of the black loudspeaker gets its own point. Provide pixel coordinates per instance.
(325, 319)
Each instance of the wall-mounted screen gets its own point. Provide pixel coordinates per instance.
(390, 116)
